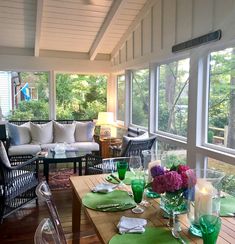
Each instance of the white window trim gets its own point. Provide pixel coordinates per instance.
(119, 122)
(130, 99)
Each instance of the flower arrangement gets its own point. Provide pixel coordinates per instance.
(173, 186)
(176, 179)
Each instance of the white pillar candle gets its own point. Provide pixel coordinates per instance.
(203, 198)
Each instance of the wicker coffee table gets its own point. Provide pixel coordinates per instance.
(67, 157)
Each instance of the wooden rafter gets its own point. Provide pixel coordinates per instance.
(114, 12)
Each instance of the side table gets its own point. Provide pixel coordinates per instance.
(105, 144)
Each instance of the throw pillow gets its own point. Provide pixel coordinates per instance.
(64, 132)
(84, 131)
(19, 135)
(3, 156)
(126, 139)
(42, 133)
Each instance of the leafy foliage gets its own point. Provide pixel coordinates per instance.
(80, 96)
(140, 97)
(77, 97)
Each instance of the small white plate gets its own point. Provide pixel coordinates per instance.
(104, 188)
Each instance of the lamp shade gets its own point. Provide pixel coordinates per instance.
(105, 118)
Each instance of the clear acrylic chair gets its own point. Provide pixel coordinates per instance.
(46, 233)
(43, 192)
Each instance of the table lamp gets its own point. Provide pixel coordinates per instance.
(105, 120)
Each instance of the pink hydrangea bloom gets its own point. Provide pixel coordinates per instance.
(184, 177)
(159, 184)
(173, 181)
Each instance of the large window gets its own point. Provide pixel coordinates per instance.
(221, 108)
(173, 97)
(121, 97)
(140, 97)
(25, 95)
(171, 154)
(80, 96)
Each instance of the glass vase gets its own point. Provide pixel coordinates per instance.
(204, 197)
(150, 159)
(174, 202)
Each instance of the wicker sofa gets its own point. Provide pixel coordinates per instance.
(30, 137)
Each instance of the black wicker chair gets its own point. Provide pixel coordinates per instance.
(93, 163)
(133, 148)
(17, 182)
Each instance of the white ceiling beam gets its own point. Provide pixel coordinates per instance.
(112, 15)
(137, 20)
(38, 31)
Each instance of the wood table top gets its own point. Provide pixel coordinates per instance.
(105, 223)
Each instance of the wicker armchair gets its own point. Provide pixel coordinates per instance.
(93, 165)
(134, 147)
(17, 182)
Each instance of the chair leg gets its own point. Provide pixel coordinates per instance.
(36, 200)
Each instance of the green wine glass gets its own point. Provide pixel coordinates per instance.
(137, 186)
(122, 167)
(210, 227)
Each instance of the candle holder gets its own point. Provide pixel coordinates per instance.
(203, 198)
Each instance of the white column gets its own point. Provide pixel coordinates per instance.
(52, 95)
(197, 109)
(152, 99)
(128, 112)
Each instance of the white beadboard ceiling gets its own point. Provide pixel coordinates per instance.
(80, 26)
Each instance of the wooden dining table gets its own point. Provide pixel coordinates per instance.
(105, 223)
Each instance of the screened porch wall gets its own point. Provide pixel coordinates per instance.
(164, 23)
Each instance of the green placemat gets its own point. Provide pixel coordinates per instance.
(227, 206)
(114, 201)
(128, 178)
(150, 236)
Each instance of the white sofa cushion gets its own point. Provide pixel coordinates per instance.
(85, 146)
(84, 131)
(3, 155)
(19, 134)
(27, 149)
(41, 133)
(64, 132)
(126, 139)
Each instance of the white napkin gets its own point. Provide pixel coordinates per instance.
(104, 188)
(131, 225)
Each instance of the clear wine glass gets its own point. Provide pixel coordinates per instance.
(135, 165)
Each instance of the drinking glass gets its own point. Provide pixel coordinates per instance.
(122, 167)
(210, 228)
(137, 186)
(150, 159)
(135, 165)
(204, 197)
